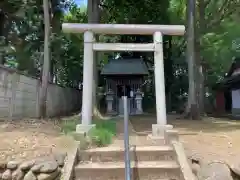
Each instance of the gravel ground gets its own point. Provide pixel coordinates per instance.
(26, 139)
(209, 139)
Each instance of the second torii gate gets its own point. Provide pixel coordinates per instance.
(90, 46)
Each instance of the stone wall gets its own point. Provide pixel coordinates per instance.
(45, 168)
(19, 96)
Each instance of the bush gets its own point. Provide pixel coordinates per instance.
(100, 136)
(109, 125)
(104, 132)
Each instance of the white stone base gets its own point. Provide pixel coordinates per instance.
(111, 113)
(156, 140)
(84, 129)
(160, 130)
(139, 112)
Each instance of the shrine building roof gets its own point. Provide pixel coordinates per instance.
(125, 67)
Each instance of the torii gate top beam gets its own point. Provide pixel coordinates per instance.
(137, 29)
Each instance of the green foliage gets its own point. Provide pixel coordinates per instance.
(110, 125)
(104, 132)
(101, 135)
(217, 50)
(215, 34)
(22, 29)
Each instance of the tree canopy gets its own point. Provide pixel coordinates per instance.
(22, 37)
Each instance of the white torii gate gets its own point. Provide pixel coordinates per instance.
(90, 46)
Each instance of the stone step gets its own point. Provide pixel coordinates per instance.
(137, 153)
(140, 140)
(173, 134)
(147, 139)
(144, 170)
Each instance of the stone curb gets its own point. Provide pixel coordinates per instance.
(70, 162)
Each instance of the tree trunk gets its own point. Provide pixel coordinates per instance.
(51, 72)
(202, 92)
(200, 71)
(169, 72)
(46, 61)
(192, 107)
(200, 79)
(2, 37)
(56, 29)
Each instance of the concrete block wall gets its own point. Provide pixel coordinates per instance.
(19, 96)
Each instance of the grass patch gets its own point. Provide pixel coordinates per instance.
(109, 125)
(100, 136)
(104, 132)
(69, 126)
